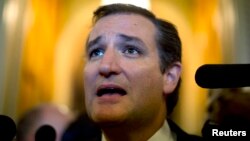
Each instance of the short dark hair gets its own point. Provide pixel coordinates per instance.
(167, 39)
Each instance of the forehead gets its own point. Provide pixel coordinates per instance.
(127, 24)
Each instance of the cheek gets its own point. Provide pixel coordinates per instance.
(88, 78)
(147, 91)
(146, 79)
(89, 73)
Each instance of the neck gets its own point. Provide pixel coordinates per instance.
(133, 132)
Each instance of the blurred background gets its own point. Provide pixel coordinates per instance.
(42, 48)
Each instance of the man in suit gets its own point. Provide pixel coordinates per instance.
(132, 75)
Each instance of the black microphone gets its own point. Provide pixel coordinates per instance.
(45, 133)
(7, 128)
(223, 75)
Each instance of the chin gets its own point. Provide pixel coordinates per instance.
(107, 119)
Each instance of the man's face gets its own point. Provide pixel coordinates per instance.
(122, 77)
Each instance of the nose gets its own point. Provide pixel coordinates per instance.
(109, 64)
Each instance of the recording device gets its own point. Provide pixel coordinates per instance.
(223, 75)
(7, 128)
(45, 133)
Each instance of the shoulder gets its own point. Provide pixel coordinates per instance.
(182, 135)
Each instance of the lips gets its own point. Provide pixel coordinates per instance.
(110, 90)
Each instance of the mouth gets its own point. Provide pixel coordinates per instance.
(110, 91)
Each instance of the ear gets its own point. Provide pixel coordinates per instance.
(171, 78)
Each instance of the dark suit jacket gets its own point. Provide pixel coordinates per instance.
(84, 130)
(182, 135)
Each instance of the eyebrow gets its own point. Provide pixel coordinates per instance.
(130, 39)
(123, 37)
(93, 42)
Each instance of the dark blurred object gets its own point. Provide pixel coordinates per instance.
(43, 114)
(7, 128)
(208, 127)
(82, 129)
(223, 75)
(45, 133)
(229, 109)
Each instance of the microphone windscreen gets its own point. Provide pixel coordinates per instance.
(223, 75)
(45, 133)
(7, 128)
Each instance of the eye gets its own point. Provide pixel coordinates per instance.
(96, 53)
(131, 51)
